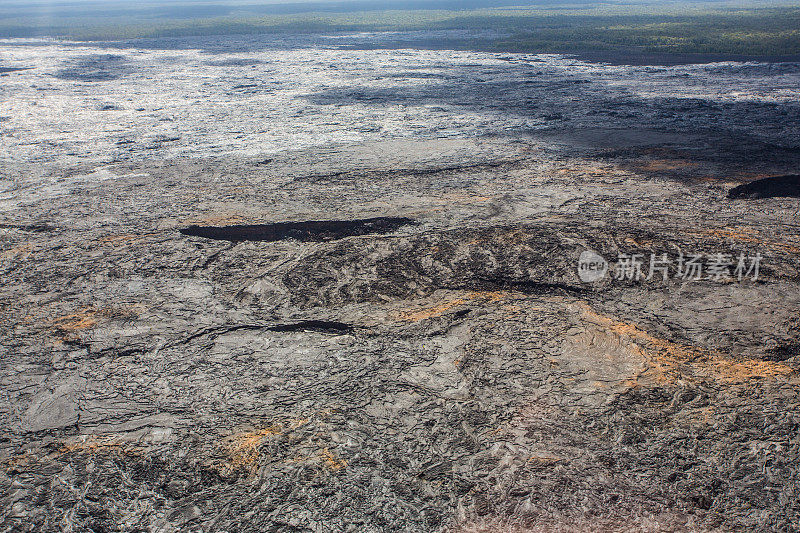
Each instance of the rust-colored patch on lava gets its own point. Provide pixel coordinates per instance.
(331, 461)
(638, 244)
(739, 372)
(323, 457)
(516, 236)
(431, 312)
(21, 251)
(747, 235)
(88, 317)
(443, 307)
(92, 444)
(662, 356)
(670, 360)
(243, 449)
(84, 319)
(123, 238)
(19, 463)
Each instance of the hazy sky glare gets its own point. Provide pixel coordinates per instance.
(55, 10)
(162, 2)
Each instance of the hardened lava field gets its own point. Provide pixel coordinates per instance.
(304, 285)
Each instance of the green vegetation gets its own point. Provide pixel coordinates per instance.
(675, 28)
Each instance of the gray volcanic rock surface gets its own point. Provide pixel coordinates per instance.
(450, 374)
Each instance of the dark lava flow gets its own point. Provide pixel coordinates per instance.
(320, 326)
(35, 227)
(311, 231)
(4, 70)
(768, 188)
